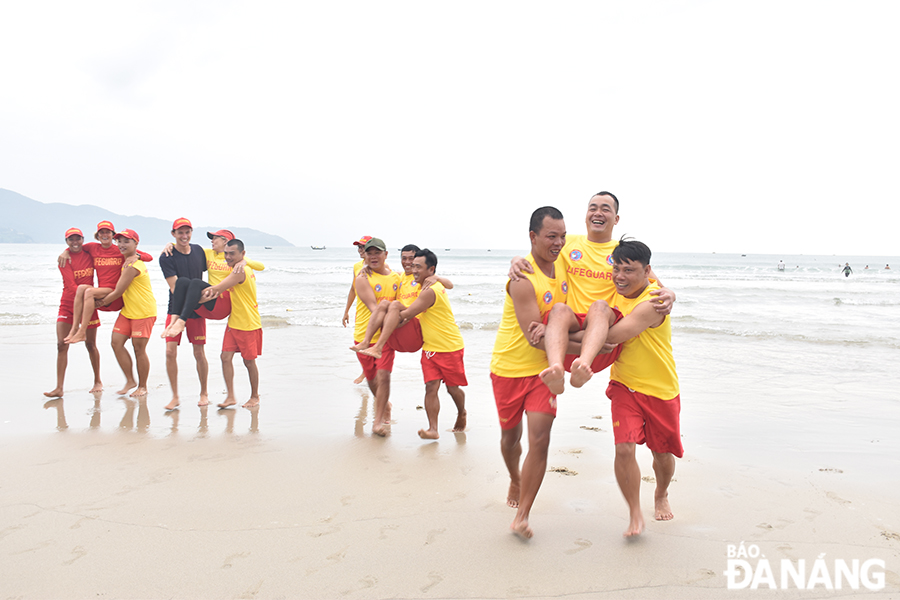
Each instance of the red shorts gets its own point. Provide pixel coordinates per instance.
(407, 338)
(603, 360)
(221, 310)
(134, 328)
(444, 365)
(371, 365)
(65, 315)
(517, 395)
(196, 331)
(248, 343)
(639, 418)
(117, 305)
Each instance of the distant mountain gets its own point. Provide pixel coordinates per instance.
(27, 221)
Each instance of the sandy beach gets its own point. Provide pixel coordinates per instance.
(117, 499)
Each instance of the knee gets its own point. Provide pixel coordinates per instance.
(91, 345)
(171, 352)
(62, 347)
(625, 451)
(199, 354)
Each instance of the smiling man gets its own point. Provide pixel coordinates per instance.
(643, 387)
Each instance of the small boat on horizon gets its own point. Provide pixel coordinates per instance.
(317, 247)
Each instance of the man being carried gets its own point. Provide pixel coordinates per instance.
(379, 285)
(77, 271)
(442, 345)
(137, 316)
(643, 386)
(517, 363)
(244, 330)
(589, 274)
(187, 261)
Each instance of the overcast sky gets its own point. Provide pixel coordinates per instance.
(762, 127)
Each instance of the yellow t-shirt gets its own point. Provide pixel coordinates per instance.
(385, 288)
(244, 308)
(409, 289)
(513, 356)
(646, 363)
(138, 296)
(440, 333)
(358, 267)
(588, 268)
(218, 269)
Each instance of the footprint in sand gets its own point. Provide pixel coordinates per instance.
(230, 559)
(339, 555)
(837, 499)
(432, 535)
(329, 531)
(582, 544)
(78, 552)
(385, 529)
(890, 535)
(586, 428)
(831, 470)
(562, 471)
(435, 579)
(345, 501)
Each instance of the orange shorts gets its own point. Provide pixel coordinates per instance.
(218, 311)
(602, 361)
(517, 395)
(134, 328)
(407, 338)
(639, 418)
(447, 366)
(248, 343)
(196, 331)
(371, 365)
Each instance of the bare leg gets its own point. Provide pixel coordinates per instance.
(175, 327)
(375, 321)
(511, 449)
(90, 344)
(391, 320)
(432, 408)
(459, 399)
(124, 360)
(596, 328)
(90, 294)
(143, 365)
(556, 340)
(77, 310)
(62, 359)
(253, 372)
(172, 372)
(664, 468)
(382, 391)
(533, 469)
(228, 374)
(202, 373)
(628, 474)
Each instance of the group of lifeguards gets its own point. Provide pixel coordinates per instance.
(123, 285)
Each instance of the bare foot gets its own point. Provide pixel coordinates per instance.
(204, 400)
(635, 526)
(429, 434)
(581, 373)
(138, 393)
(387, 414)
(174, 328)
(521, 529)
(359, 379)
(78, 337)
(512, 496)
(173, 404)
(57, 393)
(358, 347)
(228, 402)
(460, 424)
(254, 401)
(663, 511)
(98, 387)
(128, 385)
(373, 352)
(379, 429)
(554, 377)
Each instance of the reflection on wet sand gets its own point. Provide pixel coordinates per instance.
(360, 428)
(143, 415)
(57, 403)
(95, 412)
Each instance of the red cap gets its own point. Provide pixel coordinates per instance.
(105, 225)
(362, 241)
(182, 222)
(220, 233)
(128, 233)
(73, 231)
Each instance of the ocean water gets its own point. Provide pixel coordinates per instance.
(773, 364)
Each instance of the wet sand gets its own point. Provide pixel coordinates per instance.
(115, 498)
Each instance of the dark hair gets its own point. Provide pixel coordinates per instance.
(236, 242)
(631, 251)
(430, 258)
(537, 217)
(611, 195)
(409, 248)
